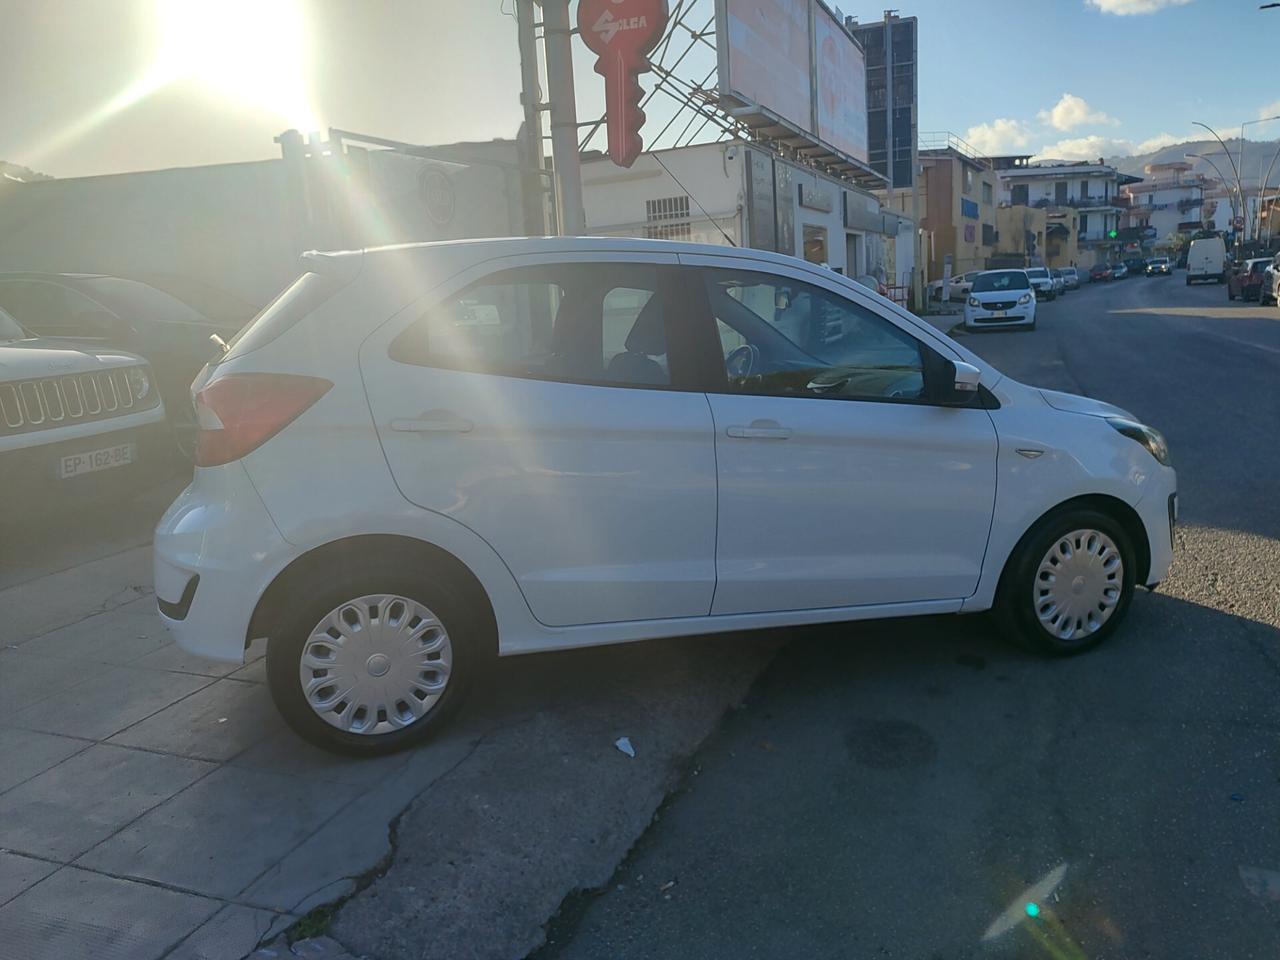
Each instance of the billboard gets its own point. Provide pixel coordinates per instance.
(794, 59)
(842, 90)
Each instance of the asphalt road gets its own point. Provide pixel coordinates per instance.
(907, 788)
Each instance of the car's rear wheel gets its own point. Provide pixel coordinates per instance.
(374, 662)
(1068, 584)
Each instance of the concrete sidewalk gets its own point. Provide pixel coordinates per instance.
(154, 805)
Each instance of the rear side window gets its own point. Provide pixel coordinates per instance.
(304, 295)
(599, 324)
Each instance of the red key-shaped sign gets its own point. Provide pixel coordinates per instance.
(622, 33)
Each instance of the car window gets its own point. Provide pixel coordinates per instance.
(600, 323)
(1037, 273)
(52, 310)
(9, 328)
(1006, 280)
(782, 337)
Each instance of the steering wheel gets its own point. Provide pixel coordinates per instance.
(742, 361)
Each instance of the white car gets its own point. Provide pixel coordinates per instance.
(1000, 299)
(1042, 283)
(1071, 276)
(76, 422)
(419, 456)
(959, 286)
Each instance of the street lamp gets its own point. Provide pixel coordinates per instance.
(1243, 124)
(1197, 156)
(1236, 170)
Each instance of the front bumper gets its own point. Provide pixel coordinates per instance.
(216, 551)
(1158, 510)
(976, 317)
(31, 473)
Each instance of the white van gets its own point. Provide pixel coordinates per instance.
(1207, 260)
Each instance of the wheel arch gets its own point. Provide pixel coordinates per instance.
(1114, 507)
(413, 553)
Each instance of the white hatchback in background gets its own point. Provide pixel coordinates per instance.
(1041, 283)
(999, 299)
(1071, 276)
(420, 456)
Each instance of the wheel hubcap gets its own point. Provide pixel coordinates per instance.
(1078, 584)
(375, 664)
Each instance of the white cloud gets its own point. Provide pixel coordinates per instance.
(1001, 135)
(1095, 146)
(1270, 110)
(1072, 111)
(1129, 8)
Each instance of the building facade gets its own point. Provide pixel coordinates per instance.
(1168, 200)
(739, 194)
(1091, 189)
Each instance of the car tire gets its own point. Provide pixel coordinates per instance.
(1028, 613)
(344, 588)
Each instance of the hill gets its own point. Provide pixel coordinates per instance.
(1258, 156)
(15, 171)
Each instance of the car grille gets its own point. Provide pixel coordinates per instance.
(49, 402)
(1000, 305)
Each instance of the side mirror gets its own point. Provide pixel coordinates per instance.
(961, 383)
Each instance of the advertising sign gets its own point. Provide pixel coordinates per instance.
(767, 56)
(842, 89)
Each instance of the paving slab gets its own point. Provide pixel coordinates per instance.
(27, 680)
(325, 866)
(79, 915)
(57, 599)
(255, 672)
(173, 658)
(214, 723)
(109, 700)
(219, 835)
(67, 809)
(231, 933)
(118, 636)
(26, 753)
(284, 752)
(17, 873)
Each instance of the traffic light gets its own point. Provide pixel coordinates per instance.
(1112, 234)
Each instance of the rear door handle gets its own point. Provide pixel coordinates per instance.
(760, 430)
(429, 424)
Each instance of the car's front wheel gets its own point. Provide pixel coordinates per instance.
(1068, 583)
(373, 663)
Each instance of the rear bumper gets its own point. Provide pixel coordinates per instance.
(216, 550)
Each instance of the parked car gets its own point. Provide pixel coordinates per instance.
(1001, 299)
(1119, 271)
(1136, 266)
(1072, 278)
(115, 313)
(1271, 283)
(960, 286)
(1059, 282)
(873, 283)
(1247, 279)
(1207, 260)
(549, 443)
(1159, 266)
(1100, 272)
(1041, 283)
(75, 422)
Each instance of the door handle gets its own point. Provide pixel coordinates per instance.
(437, 424)
(760, 430)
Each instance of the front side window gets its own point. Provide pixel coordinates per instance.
(782, 337)
(585, 323)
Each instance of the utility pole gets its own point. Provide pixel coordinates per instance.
(558, 48)
(532, 184)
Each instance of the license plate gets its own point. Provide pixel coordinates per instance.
(74, 464)
(999, 313)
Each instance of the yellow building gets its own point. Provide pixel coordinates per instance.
(1062, 237)
(1021, 234)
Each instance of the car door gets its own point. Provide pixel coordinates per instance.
(840, 483)
(545, 404)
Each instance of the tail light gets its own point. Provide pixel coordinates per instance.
(239, 412)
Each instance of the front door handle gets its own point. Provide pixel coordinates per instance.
(438, 423)
(760, 430)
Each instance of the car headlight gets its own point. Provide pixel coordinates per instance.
(1024, 299)
(139, 382)
(975, 302)
(1149, 437)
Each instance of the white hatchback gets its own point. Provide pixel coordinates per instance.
(420, 456)
(1001, 298)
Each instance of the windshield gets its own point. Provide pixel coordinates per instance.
(1038, 273)
(9, 329)
(1001, 280)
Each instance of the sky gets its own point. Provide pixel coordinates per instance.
(104, 86)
